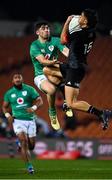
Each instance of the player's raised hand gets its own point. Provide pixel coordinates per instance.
(69, 18)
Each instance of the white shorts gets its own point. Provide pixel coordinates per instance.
(38, 80)
(28, 127)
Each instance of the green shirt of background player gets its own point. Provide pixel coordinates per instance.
(21, 98)
(44, 52)
(20, 101)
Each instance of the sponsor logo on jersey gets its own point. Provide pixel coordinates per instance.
(20, 100)
(51, 48)
(21, 105)
(13, 95)
(24, 93)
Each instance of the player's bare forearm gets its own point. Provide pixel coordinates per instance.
(64, 34)
(39, 102)
(36, 106)
(46, 62)
(54, 79)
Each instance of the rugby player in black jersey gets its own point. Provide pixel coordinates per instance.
(80, 39)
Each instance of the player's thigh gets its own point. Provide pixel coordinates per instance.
(48, 87)
(52, 71)
(72, 84)
(44, 85)
(74, 77)
(55, 80)
(19, 126)
(22, 137)
(39, 79)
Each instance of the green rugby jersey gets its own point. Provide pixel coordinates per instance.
(49, 49)
(20, 99)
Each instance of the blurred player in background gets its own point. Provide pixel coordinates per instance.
(44, 52)
(24, 100)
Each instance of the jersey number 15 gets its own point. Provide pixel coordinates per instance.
(87, 47)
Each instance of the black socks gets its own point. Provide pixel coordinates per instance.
(95, 111)
(61, 87)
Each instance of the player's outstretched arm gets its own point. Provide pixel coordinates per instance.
(64, 33)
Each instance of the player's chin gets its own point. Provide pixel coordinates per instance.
(46, 35)
(18, 83)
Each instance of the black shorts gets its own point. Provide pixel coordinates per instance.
(63, 68)
(72, 76)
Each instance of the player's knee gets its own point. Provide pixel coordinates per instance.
(51, 89)
(24, 142)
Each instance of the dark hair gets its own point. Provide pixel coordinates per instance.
(92, 17)
(38, 24)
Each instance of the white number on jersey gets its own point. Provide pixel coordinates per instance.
(88, 47)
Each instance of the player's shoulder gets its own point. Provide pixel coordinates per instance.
(35, 42)
(91, 33)
(9, 91)
(26, 85)
(54, 38)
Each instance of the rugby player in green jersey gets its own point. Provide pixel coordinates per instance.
(44, 52)
(23, 100)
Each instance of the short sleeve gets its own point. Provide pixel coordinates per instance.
(34, 94)
(6, 97)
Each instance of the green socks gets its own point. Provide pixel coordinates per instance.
(52, 111)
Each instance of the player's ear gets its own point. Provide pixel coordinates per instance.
(85, 21)
(12, 81)
(37, 32)
(22, 78)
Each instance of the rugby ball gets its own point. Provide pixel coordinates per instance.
(74, 24)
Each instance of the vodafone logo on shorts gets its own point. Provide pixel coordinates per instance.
(20, 100)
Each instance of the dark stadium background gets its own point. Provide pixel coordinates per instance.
(28, 10)
(52, 10)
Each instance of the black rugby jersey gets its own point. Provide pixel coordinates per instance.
(80, 44)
